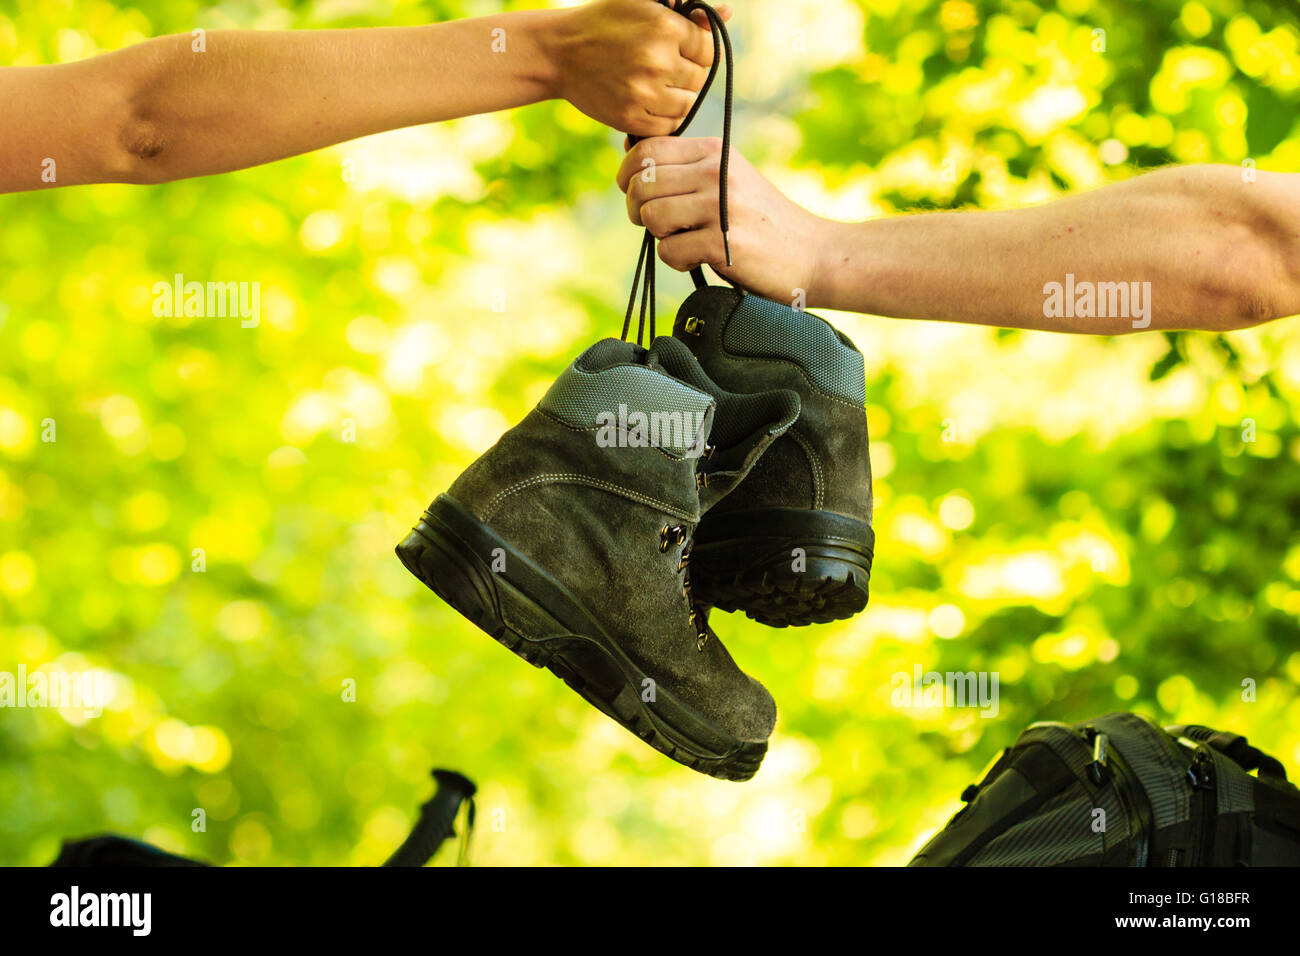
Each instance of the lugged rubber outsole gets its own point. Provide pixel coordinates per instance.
(784, 567)
(537, 619)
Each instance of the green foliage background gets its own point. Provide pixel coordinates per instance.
(1090, 518)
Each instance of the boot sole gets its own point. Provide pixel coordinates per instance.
(744, 561)
(538, 618)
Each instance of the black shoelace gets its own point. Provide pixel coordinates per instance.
(670, 536)
(646, 259)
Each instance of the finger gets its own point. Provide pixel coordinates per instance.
(671, 104)
(673, 214)
(642, 122)
(688, 76)
(696, 43)
(725, 11)
(660, 182)
(632, 159)
(667, 151)
(686, 250)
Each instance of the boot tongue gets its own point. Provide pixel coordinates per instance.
(743, 426)
(676, 359)
(610, 352)
(738, 414)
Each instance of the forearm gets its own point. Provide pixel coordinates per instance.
(252, 97)
(1205, 249)
(164, 109)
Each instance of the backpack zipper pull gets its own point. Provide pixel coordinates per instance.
(1100, 755)
(1200, 773)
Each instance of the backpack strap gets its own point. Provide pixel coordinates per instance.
(1275, 826)
(1234, 746)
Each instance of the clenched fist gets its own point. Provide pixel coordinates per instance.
(672, 189)
(634, 65)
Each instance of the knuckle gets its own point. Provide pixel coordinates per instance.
(650, 217)
(633, 210)
(650, 63)
(660, 16)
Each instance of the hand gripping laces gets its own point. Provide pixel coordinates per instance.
(646, 258)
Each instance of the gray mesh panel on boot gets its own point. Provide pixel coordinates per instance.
(577, 397)
(766, 329)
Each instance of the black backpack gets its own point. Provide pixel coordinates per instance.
(435, 824)
(1120, 791)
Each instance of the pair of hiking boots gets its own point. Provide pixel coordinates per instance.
(725, 466)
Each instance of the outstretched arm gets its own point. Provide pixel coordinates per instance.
(181, 105)
(1206, 248)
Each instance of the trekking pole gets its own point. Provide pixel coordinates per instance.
(437, 821)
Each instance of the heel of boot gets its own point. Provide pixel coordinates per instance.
(452, 570)
(784, 567)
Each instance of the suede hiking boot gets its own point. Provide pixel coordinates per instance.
(793, 544)
(568, 541)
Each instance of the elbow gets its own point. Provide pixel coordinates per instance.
(1264, 266)
(135, 148)
(142, 145)
(135, 145)
(1257, 279)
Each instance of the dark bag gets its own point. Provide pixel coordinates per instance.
(1120, 791)
(436, 823)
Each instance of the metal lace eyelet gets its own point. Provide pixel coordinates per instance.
(708, 451)
(669, 536)
(700, 641)
(701, 479)
(694, 325)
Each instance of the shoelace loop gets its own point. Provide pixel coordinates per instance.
(646, 258)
